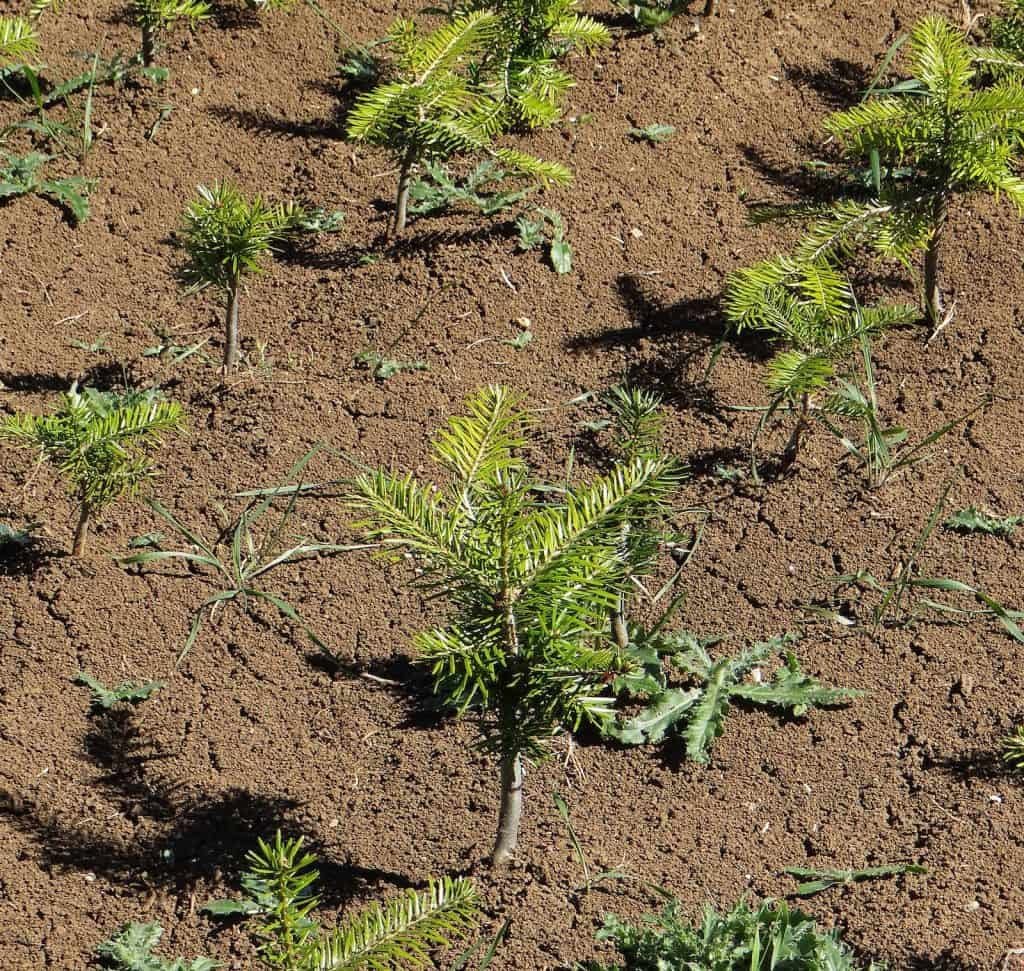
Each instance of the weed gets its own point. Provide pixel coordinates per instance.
(438, 191)
(699, 711)
(771, 937)
(98, 441)
(131, 949)
(827, 879)
(973, 520)
(651, 15)
(533, 576)
(14, 541)
(280, 900)
(97, 346)
(893, 606)
(590, 880)
(546, 227)
(653, 134)
(239, 557)
(228, 236)
(383, 368)
(126, 693)
(20, 176)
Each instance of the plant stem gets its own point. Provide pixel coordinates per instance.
(81, 530)
(711, 8)
(511, 809)
(402, 198)
(789, 454)
(231, 327)
(148, 44)
(932, 290)
(620, 632)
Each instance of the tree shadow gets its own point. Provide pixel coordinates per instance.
(821, 183)
(108, 376)
(262, 122)
(943, 961)
(841, 84)
(983, 764)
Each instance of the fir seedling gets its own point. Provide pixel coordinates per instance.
(227, 236)
(400, 934)
(1013, 749)
(18, 41)
(153, 16)
(99, 442)
(954, 139)
(698, 712)
(431, 109)
(973, 520)
(809, 312)
(131, 949)
(21, 176)
(250, 546)
(771, 937)
(532, 575)
(520, 66)
(129, 693)
(826, 879)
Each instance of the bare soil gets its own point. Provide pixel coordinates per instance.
(250, 735)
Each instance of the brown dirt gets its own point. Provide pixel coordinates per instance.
(248, 735)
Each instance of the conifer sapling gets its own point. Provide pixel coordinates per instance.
(152, 16)
(99, 442)
(532, 575)
(431, 109)
(931, 139)
(228, 236)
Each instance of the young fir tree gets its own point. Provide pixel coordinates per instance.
(152, 16)
(810, 313)
(99, 442)
(18, 41)
(521, 64)
(935, 137)
(227, 236)
(432, 109)
(532, 576)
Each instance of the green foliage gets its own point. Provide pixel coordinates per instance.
(20, 176)
(546, 227)
(131, 949)
(13, 541)
(127, 692)
(654, 134)
(1007, 30)
(398, 934)
(636, 418)
(895, 604)
(158, 15)
(382, 367)
(827, 879)
(438, 191)
(651, 15)
(532, 575)
(431, 108)
(809, 313)
(99, 442)
(227, 236)
(520, 65)
(973, 520)
(699, 711)
(953, 137)
(18, 40)
(770, 938)
(1013, 749)
(242, 554)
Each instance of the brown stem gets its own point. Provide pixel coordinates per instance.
(620, 632)
(402, 198)
(792, 448)
(231, 328)
(932, 290)
(148, 44)
(511, 809)
(711, 8)
(81, 530)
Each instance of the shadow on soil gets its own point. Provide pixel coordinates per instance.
(104, 377)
